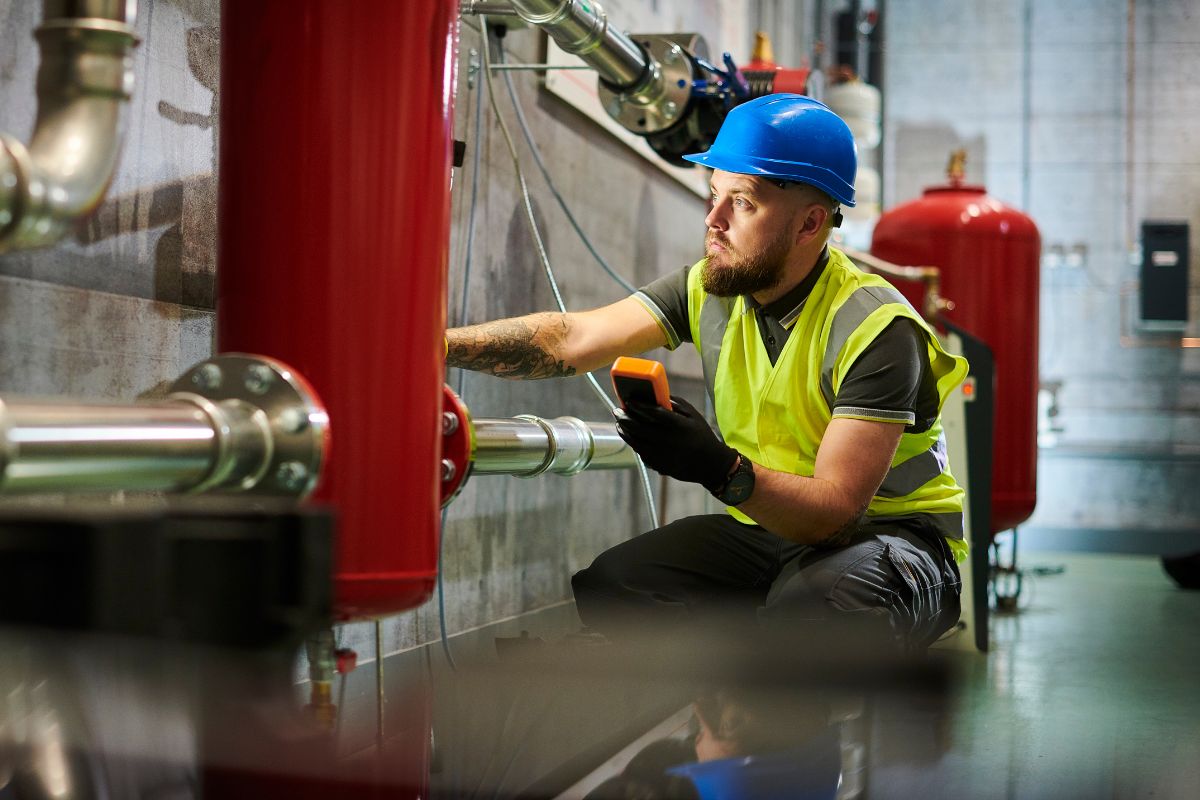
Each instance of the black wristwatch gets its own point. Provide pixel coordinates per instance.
(738, 487)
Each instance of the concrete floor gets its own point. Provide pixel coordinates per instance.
(1091, 690)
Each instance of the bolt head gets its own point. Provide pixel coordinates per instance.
(207, 377)
(671, 107)
(449, 423)
(292, 420)
(448, 470)
(291, 476)
(258, 379)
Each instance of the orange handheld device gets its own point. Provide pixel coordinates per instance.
(640, 380)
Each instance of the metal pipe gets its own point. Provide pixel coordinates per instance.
(582, 28)
(933, 304)
(235, 423)
(535, 67)
(527, 445)
(84, 81)
(493, 8)
(59, 447)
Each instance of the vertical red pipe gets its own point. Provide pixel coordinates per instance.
(335, 158)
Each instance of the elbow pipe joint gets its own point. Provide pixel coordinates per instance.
(85, 79)
(645, 80)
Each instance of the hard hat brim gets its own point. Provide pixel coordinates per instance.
(820, 177)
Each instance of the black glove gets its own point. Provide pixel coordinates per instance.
(677, 443)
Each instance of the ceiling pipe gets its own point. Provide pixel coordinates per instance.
(493, 8)
(583, 29)
(84, 82)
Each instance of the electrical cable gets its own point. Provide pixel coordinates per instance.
(540, 247)
(562, 203)
(462, 373)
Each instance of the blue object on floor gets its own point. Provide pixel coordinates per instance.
(811, 772)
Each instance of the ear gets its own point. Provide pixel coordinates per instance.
(813, 222)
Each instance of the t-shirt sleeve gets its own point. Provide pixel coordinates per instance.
(667, 301)
(887, 383)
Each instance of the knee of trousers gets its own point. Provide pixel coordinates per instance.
(605, 575)
(818, 593)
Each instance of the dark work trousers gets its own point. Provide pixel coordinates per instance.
(895, 577)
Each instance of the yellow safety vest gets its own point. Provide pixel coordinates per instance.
(776, 414)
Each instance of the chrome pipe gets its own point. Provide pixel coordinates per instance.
(527, 445)
(493, 8)
(62, 447)
(85, 80)
(234, 423)
(582, 28)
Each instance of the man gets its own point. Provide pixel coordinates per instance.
(827, 387)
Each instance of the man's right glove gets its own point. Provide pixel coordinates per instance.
(679, 443)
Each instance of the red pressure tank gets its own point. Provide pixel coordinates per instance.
(989, 256)
(335, 153)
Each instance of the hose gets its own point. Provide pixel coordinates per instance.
(462, 373)
(540, 247)
(537, 157)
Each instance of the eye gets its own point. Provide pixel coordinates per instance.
(741, 202)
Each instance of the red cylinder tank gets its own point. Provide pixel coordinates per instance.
(335, 154)
(989, 255)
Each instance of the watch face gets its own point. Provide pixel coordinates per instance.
(740, 485)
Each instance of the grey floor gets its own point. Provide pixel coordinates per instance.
(1091, 690)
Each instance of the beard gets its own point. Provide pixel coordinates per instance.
(729, 273)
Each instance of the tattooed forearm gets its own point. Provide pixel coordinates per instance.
(526, 347)
(843, 534)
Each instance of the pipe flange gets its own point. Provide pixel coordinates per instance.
(458, 445)
(277, 399)
(661, 99)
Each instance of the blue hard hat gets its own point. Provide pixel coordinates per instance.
(787, 137)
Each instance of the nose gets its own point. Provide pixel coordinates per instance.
(717, 219)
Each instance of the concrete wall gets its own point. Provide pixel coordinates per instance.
(127, 303)
(1037, 93)
(120, 309)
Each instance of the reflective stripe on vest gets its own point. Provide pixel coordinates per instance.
(908, 476)
(777, 413)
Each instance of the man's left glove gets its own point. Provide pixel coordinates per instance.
(677, 443)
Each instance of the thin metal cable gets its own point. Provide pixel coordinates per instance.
(562, 203)
(462, 373)
(540, 247)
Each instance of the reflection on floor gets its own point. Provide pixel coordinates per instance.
(1090, 690)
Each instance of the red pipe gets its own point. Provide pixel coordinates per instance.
(335, 154)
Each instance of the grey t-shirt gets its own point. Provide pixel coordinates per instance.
(890, 382)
